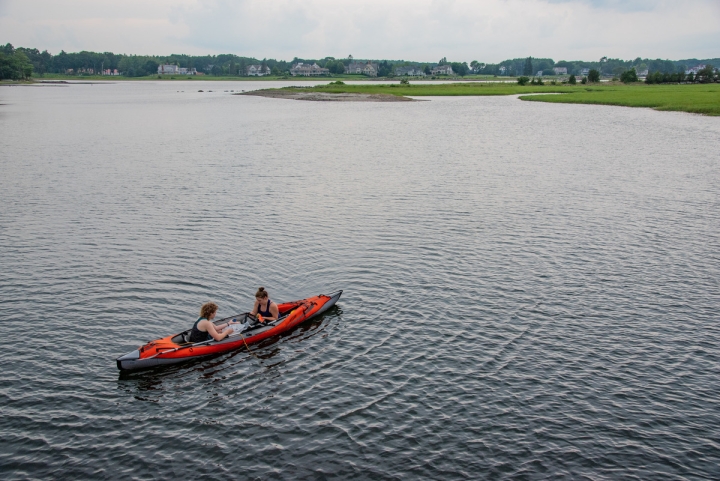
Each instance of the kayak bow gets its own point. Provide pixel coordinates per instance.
(176, 348)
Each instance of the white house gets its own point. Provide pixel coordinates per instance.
(410, 71)
(307, 70)
(694, 70)
(539, 73)
(365, 68)
(168, 69)
(584, 72)
(560, 70)
(187, 71)
(258, 70)
(443, 70)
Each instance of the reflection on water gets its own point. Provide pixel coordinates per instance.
(530, 290)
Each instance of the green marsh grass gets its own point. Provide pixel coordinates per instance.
(697, 98)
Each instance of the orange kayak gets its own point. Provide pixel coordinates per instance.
(176, 348)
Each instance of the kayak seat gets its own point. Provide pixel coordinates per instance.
(182, 338)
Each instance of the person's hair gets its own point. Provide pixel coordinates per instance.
(261, 293)
(208, 309)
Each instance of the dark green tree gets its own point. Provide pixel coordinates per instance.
(593, 76)
(629, 76)
(523, 80)
(460, 68)
(528, 67)
(572, 80)
(14, 66)
(384, 69)
(706, 75)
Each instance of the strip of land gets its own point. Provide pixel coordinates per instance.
(296, 94)
(693, 98)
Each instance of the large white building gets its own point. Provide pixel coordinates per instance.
(168, 69)
(365, 68)
(258, 70)
(443, 70)
(410, 71)
(560, 70)
(175, 70)
(307, 70)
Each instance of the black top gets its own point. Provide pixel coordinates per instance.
(197, 335)
(267, 312)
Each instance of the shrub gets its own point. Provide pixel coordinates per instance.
(629, 76)
(404, 82)
(584, 80)
(523, 80)
(654, 78)
(593, 76)
(572, 80)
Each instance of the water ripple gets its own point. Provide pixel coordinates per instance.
(524, 299)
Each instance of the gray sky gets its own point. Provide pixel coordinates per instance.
(424, 30)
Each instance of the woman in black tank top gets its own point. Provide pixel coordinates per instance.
(265, 309)
(205, 330)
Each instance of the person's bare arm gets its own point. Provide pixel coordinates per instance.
(218, 336)
(275, 312)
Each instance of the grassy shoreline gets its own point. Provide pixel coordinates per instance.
(701, 99)
(697, 98)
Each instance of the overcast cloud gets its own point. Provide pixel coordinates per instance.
(423, 30)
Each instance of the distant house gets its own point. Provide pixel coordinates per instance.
(695, 70)
(187, 71)
(560, 70)
(364, 68)
(111, 72)
(539, 73)
(585, 72)
(168, 69)
(258, 70)
(307, 70)
(443, 70)
(370, 70)
(502, 70)
(409, 71)
(642, 73)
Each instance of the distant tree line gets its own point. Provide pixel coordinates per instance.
(19, 63)
(530, 66)
(705, 75)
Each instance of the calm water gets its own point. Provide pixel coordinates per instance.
(532, 291)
